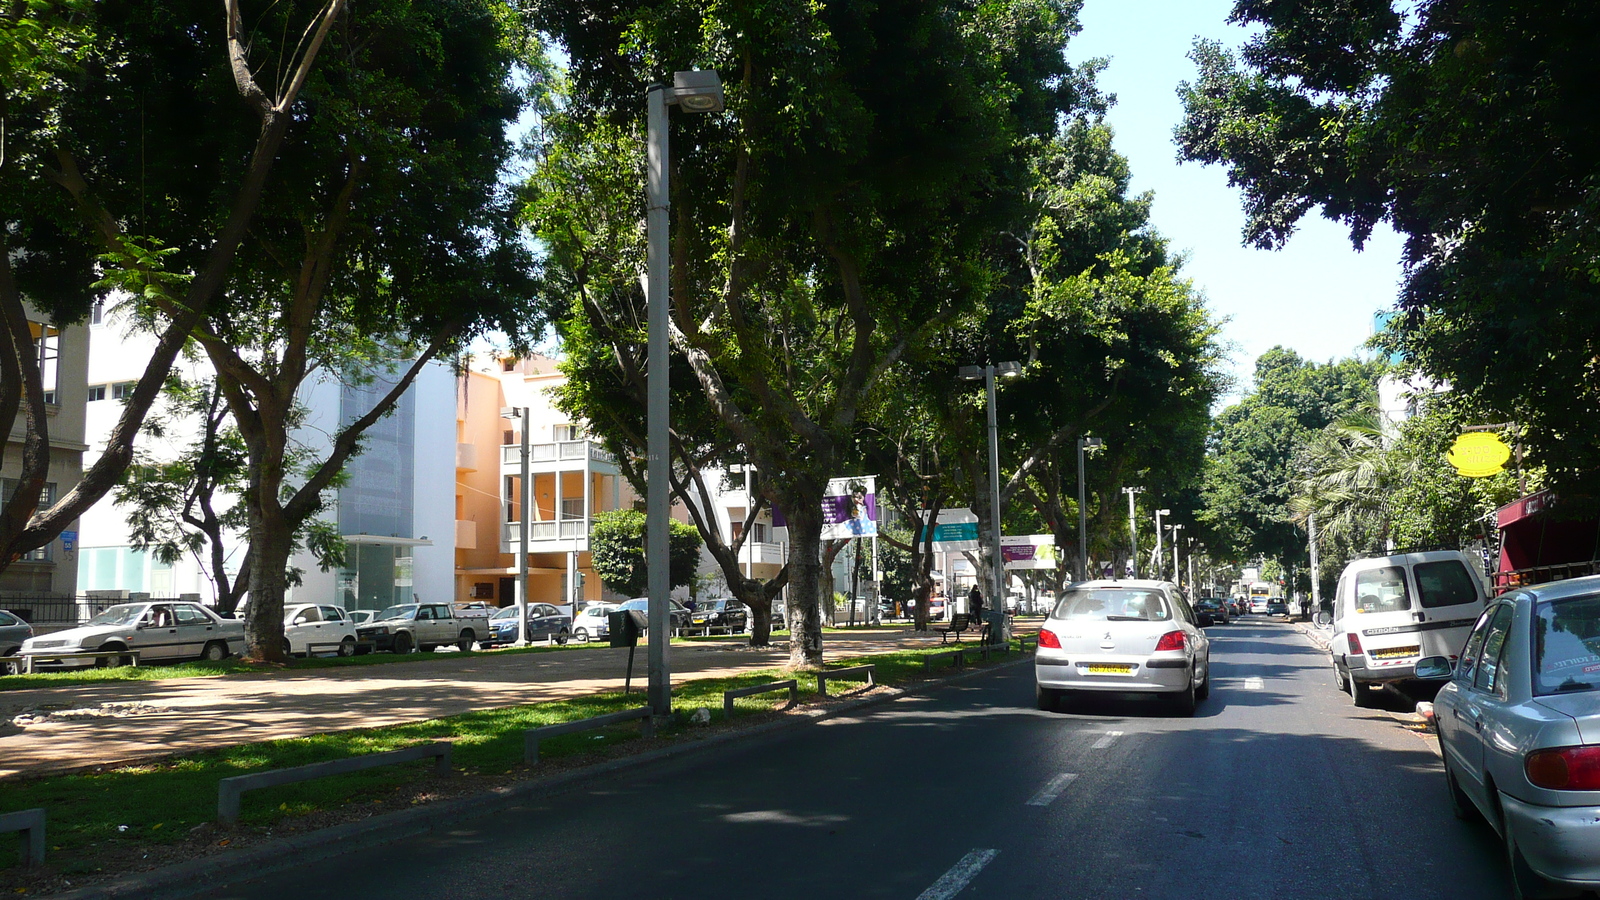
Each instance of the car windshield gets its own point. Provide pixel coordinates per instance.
(509, 612)
(397, 612)
(125, 614)
(1113, 605)
(1566, 649)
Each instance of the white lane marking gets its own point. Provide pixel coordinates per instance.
(960, 874)
(1052, 790)
(1106, 741)
(1254, 684)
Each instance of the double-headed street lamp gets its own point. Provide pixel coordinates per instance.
(692, 92)
(1133, 529)
(998, 598)
(1177, 570)
(525, 500)
(1089, 443)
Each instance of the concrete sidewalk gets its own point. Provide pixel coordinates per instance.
(83, 726)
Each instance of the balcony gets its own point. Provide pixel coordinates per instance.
(542, 455)
(761, 552)
(466, 458)
(546, 536)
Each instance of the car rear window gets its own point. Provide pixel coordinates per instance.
(1566, 645)
(1382, 590)
(1114, 605)
(1445, 583)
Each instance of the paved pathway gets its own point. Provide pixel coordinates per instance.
(152, 718)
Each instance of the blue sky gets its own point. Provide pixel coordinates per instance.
(1316, 296)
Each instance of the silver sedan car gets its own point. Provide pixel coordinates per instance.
(1519, 727)
(1123, 636)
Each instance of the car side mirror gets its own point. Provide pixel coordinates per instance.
(1435, 668)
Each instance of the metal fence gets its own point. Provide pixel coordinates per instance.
(56, 609)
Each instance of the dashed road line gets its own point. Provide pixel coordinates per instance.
(959, 876)
(1254, 684)
(1106, 741)
(1052, 790)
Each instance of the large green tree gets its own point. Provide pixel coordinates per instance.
(1470, 126)
(836, 215)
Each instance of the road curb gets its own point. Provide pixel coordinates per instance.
(208, 874)
(1313, 635)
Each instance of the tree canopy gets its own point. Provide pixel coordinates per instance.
(1470, 126)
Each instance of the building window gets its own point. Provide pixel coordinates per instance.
(508, 365)
(571, 507)
(47, 352)
(123, 389)
(8, 486)
(97, 313)
(569, 432)
(97, 392)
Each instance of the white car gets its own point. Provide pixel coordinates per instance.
(312, 628)
(1390, 611)
(361, 616)
(161, 630)
(592, 624)
(1123, 637)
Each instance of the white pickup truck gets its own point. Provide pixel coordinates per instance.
(411, 627)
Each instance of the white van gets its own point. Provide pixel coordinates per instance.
(1390, 611)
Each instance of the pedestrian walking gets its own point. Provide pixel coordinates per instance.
(975, 603)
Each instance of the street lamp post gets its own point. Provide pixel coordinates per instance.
(1092, 443)
(525, 499)
(997, 600)
(693, 92)
(1159, 566)
(1177, 569)
(1133, 529)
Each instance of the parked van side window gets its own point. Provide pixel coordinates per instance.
(1382, 590)
(1445, 583)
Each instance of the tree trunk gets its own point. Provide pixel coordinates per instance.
(271, 542)
(805, 571)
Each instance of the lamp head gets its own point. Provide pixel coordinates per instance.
(1163, 512)
(509, 412)
(970, 373)
(1091, 443)
(1008, 369)
(696, 91)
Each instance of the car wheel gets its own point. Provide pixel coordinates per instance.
(1461, 806)
(464, 641)
(106, 663)
(1185, 701)
(288, 649)
(216, 651)
(562, 637)
(1339, 680)
(582, 634)
(1526, 884)
(347, 647)
(1046, 698)
(402, 643)
(1204, 690)
(1362, 697)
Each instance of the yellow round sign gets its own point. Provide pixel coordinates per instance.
(1478, 454)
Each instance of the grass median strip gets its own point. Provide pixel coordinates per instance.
(100, 820)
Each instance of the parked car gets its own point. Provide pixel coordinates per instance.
(311, 628)
(545, 622)
(419, 626)
(592, 622)
(361, 616)
(157, 630)
(13, 632)
(779, 611)
(1390, 611)
(1519, 731)
(1123, 636)
(1212, 609)
(721, 612)
(680, 614)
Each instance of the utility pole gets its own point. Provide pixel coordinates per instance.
(1158, 558)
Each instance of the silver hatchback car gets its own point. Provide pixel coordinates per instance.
(1123, 636)
(1519, 727)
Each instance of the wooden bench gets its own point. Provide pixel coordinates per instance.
(531, 737)
(958, 623)
(30, 824)
(957, 658)
(852, 672)
(791, 685)
(230, 790)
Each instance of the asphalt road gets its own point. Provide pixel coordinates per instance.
(1278, 788)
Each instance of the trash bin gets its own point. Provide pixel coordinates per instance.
(626, 625)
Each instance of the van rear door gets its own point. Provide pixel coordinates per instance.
(1450, 597)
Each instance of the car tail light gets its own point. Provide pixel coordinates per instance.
(1355, 644)
(1172, 640)
(1565, 768)
(1047, 638)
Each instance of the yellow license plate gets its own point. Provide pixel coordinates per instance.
(1110, 668)
(1396, 652)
